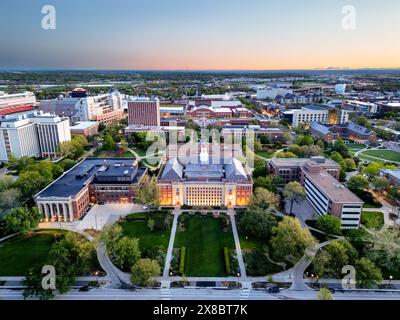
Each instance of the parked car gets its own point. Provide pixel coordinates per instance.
(145, 207)
(85, 288)
(273, 290)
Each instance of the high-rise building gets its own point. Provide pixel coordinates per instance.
(32, 135)
(52, 131)
(18, 138)
(144, 112)
(79, 106)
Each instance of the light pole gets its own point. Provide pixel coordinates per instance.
(238, 277)
(390, 281)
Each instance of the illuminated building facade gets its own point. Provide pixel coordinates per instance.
(205, 181)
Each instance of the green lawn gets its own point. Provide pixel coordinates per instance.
(204, 240)
(362, 157)
(18, 254)
(147, 238)
(387, 155)
(372, 220)
(355, 147)
(251, 242)
(265, 154)
(113, 154)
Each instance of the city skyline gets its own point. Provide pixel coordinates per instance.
(206, 35)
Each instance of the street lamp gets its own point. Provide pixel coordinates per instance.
(238, 276)
(390, 280)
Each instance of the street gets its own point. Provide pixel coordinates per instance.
(203, 294)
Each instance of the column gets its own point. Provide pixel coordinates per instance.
(44, 212)
(57, 211)
(49, 210)
(71, 212)
(66, 213)
(61, 210)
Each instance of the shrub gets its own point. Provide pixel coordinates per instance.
(228, 268)
(182, 261)
(329, 224)
(137, 217)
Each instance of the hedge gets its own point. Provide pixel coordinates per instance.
(137, 217)
(182, 261)
(228, 268)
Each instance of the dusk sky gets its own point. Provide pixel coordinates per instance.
(206, 34)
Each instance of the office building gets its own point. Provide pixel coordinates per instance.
(144, 111)
(93, 180)
(80, 106)
(321, 114)
(18, 138)
(360, 106)
(273, 134)
(32, 135)
(324, 192)
(347, 131)
(272, 92)
(86, 128)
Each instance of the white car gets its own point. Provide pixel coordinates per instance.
(145, 207)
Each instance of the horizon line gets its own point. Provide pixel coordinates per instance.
(192, 70)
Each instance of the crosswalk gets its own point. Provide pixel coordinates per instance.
(165, 294)
(244, 294)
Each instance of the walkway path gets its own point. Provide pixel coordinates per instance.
(239, 255)
(165, 280)
(8, 237)
(296, 274)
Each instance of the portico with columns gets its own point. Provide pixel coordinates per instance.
(56, 210)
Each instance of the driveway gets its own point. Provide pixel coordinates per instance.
(99, 215)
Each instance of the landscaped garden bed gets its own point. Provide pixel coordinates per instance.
(368, 198)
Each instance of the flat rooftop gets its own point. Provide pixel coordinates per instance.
(84, 125)
(336, 191)
(72, 182)
(291, 162)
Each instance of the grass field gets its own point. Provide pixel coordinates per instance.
(204, 240)
(355, 146)
(147, 239)
(18, 254)
(362, 157)
(251, 242)
(387, 155)
(372, 220)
